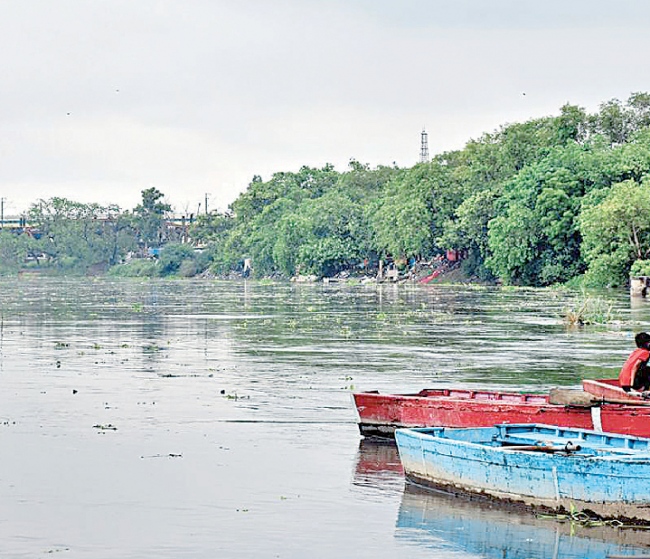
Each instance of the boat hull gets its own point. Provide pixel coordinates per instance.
(465, 460)
(380, 414)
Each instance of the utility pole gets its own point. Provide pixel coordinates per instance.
(206, 204)
(424, 147)
(2, 213)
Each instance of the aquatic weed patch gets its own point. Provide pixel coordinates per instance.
(589, 310)
(107, 427)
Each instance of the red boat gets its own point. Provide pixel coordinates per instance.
(608, 390)
(381, 414)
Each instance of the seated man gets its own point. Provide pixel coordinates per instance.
(635, 375)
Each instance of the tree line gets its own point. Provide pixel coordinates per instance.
(552, 200)
(72, 237)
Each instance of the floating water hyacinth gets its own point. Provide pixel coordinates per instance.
(589, 310)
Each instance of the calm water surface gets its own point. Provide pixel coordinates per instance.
(213, 419)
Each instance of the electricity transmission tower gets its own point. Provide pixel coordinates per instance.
(424, 147)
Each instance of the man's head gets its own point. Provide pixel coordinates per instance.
(642, 339)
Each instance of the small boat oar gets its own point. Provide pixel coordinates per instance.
(627, 403)
(568, 447)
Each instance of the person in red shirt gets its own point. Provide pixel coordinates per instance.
(635, 374)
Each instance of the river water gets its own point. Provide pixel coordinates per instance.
(214, 419)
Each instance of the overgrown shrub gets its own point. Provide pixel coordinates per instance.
(640, 268)
(172, 256)
(136, 268)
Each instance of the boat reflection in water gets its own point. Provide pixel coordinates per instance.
(378, 457)
(378, 466)
(456, 526)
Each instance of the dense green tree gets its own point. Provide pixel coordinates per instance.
(363, 185)
(258, 215)
(149, 218)
(524, 143)
(639, 106)
(177, 257)
(615, 226)
(572, 124)
(614, 121)
(213, 227)
(333, 235)
(402, 226)
(76, 236)
(306, 183)
(509, 200)
(468, 231)
(13, 251)
(534, 239)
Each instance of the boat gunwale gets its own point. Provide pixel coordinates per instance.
(466, 395)
(513, 398)
(610, 453)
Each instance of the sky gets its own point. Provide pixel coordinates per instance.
(101, 99)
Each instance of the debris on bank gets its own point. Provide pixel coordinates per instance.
(400, 271)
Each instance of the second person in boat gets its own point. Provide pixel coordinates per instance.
(635, 374)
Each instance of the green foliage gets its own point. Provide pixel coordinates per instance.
(136, 268)
(402, 226)
(615, 226)
(175, 256)
(572, 124)
(322, 236)
(312, 221)
(513, 240)
(211, 228)
(13, 252)
(149, 217)
(533, 239)
(188, 268)
(75, 237)
(640, 268)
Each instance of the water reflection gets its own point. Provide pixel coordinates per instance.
(449, 525)
(378, 466)
(443, 522)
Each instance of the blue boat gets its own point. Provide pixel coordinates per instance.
(540, 466)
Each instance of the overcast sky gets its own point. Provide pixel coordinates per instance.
(100, 99)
